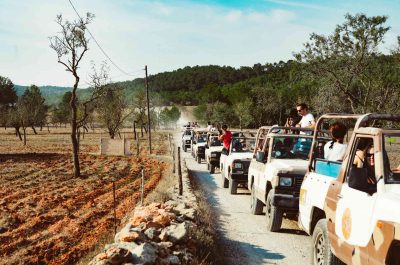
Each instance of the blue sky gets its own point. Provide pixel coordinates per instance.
(166, 35)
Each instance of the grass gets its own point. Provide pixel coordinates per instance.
(209, 249)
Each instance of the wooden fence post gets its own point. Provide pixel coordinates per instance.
(180, 172)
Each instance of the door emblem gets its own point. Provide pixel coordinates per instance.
(346, 223)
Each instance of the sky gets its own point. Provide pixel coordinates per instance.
(167, 35)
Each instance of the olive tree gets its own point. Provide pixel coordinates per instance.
(70, 45)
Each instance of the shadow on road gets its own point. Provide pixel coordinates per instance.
(235, 252)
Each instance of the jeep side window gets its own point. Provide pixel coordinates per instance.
(391, 158)
(361, 173)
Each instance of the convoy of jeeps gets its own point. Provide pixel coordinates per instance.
(350, 207)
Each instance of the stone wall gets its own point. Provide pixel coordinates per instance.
(115, 146)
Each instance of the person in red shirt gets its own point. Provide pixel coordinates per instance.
(226, 137)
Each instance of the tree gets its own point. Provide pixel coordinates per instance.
(111, 108)
(71, 44)
(343, 58)
(7, 92)
(62, 113)
(243, 112)
(8, 98)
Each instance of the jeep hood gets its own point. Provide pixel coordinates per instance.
(240, 156)
(216, 148)
(296, 166)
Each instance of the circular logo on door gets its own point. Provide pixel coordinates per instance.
(346, 223)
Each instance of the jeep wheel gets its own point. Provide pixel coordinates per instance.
(321, 252)
(225, 182)
(233, 186)
(212, 169)
(198, 158)
(184, 149)
(273, 214)
(256, 206)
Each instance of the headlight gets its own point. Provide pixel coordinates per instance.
(237, 165)
(188, 141)
(285, 181)
(213, 155)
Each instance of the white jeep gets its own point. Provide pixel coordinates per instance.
(187, 136)
(199, 144)
(235, 163)
(213, 151)
(276, 172)
(352, 209)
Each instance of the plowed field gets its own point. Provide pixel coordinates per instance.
(49, 217)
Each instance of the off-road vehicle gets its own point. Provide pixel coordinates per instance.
(351, 209)
(213, 151)
(199, 144)
(276, 172)
(187, 136)
(235, 163)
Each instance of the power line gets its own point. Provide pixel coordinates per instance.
(98, 45)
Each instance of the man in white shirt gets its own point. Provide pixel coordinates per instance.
(307, 120)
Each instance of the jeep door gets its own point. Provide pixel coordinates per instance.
(355, 205)
(259, 166)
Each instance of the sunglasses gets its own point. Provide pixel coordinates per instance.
(370, 155)
(298, 110)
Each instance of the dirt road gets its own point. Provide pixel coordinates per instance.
(245, 237)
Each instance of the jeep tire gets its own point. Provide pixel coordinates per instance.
(321, 247)
(198, 158)
(256, 206)
(232, 186)
(212, 169)
(225, 181)
(273, 214)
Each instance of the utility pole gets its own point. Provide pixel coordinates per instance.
(148, 108)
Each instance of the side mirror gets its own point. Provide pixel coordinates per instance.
(260, 156)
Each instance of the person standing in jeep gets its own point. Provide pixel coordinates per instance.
(226, 137)
(307, 120)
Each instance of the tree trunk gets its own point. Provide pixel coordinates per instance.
(34, 130)
(134, 130)
(141, 130)
(18, 133)
(24, 129)
(74, 127)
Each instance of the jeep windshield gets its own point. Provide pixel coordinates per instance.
(243, 145)
(391, 157)
(214, 141)
(202, 138)
(291, 147)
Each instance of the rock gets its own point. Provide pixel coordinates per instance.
(163, 235)
(164, 249)
(130, 246)
(189, 213)
(174, 260)
(151, 233)
(180, 218)
(117, 255)
(165, 244)
(3, 229)
(153, 225)
(164, 218)
(178, 232)
(145, 254)
(128, 236)
(100, 259)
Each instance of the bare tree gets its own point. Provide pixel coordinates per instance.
(71, 44)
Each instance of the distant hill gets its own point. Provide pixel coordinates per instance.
(52, 94)
(178, 86)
